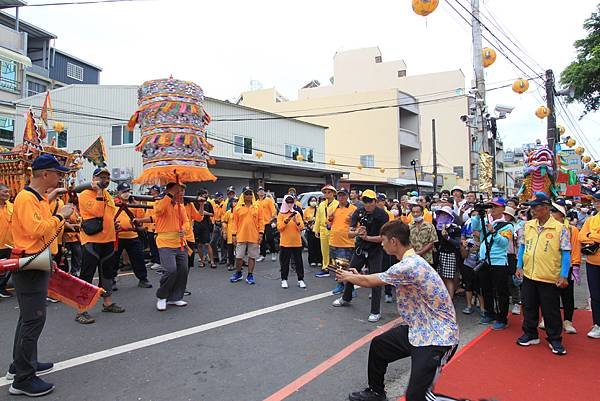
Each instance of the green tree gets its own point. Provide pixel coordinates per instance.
(584, 73)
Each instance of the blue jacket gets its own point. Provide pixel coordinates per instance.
(499, 251)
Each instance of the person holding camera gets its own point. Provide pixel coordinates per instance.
(98, 234)
(365, 225)
(590, 238)
(290, 224)
(496, 239)
(448, 247)
(543, 262)
(427, 332)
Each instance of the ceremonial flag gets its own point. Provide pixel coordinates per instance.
(96, 153)
(30, 135)
(47, 107)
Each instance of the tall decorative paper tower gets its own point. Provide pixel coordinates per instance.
(173, 121)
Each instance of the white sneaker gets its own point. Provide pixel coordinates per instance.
(313, 264)
(595, 332)
(260, 258)
(155, 266)
(284, 284)
(516, 310)
(542, 325)
(149, 264)
(374, 317)
(161, 304)
(301, 284)
(274, 257)
(340, 302)
(568, 326)
(177, 303)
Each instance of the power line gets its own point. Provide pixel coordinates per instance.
(79, 3)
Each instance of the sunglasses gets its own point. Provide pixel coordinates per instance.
(368, 200)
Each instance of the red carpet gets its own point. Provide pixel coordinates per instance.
(492, 366)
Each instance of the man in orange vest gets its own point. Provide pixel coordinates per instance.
(6, 241)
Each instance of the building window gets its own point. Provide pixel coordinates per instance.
(33, 88)
(242, 145)
(378, 59)
(291, 152)
(401, 73)
(8, 75)
(75, 72)
(458, 170)
(367, 160)
(60, 137)
(121, 136)
(7, 132)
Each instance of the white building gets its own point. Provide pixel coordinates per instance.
(237, 133)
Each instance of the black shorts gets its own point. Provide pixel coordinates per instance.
(470, 279)
(202, 234)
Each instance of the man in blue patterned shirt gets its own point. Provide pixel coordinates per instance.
(428, 332)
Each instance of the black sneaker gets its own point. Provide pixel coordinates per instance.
(112, 308)
(557, 347)
(42, 367)
(5, 294)
(144, 284)
(367, 395)
(526, 340)
(84, 318)
(186, 293)
(34, 387)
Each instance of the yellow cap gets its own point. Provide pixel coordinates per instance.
(368, 193)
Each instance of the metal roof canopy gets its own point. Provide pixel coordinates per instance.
(33, 31)
(225, 162)
(12, 3)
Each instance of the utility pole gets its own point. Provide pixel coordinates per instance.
(413, 163)
(551, 132)
(480, 144)
(434, 144)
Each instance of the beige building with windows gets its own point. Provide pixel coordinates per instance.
(379, 119)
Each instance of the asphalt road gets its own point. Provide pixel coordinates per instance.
(250, 356)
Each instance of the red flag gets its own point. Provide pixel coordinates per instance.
(47, 107)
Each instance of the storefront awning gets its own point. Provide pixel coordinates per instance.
(403, 182)
(14, 56)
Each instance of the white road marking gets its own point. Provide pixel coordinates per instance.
(110, 352)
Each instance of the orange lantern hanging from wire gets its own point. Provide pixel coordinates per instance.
(424, 7)
(360, 167)
(580, 150)
(561, 130)
(571, 142)
(520, 85)
(259, 154)
(382, 170)
(299, 157)
(597, 170)
(58, 127)
(489, 56)
(591, 165)
(542, 112)
(331, 161)
(586, 159)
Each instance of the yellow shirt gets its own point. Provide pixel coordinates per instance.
(590, 233)
(170, 219)
(338, 236)
(290, 232)
(33, 223)
(247, 222)
(323, 211)
(227, 220)
(6, 213)
(268, 209)
(542, 256)
(90, 207)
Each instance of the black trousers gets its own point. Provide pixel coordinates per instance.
(268, 241)
(133, 247)
(285, 256)
(215, 243)
(314, 247)
(373, 259)
(494, 288)
(31, 288)
(593, 279)
(567, 296)
(229, 250)
(154, 258)
(4, 254)
(387, 262)
(426, 362)
(76, 255)
(194, 247)
(99, 256)
(536, 295)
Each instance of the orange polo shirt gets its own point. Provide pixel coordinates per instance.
(169, 220)
(127, 230)
(150, 213)
(219, 211)
(193, 215)
(33, 223)
(72, 236)
(268, 209)
(338, 236)
(227, 220)
(55, 206)
(290, 232)
(6, 213)
(90, 207)
(247, 222)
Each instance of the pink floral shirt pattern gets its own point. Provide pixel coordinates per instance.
(424, 304)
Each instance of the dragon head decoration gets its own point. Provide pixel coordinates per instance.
(538, 174)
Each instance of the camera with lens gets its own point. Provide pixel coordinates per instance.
(364, 219)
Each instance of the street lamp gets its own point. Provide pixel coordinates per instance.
(413, 163)
(502, 111)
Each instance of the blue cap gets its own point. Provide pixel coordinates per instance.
(218, 195)
(154, 188)
(561, 202)
(498, 202)
(381, 196)
(540, 199)
(123, 187)
(47, 161)
(101, 170)
(597, 195)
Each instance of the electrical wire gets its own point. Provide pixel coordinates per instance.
(78, 3)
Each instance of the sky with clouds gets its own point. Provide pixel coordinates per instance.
(224, 45)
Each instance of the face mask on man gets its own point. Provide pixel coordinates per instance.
(418, 219)
(313, 203)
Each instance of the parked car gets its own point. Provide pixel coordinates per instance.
(305, 196)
